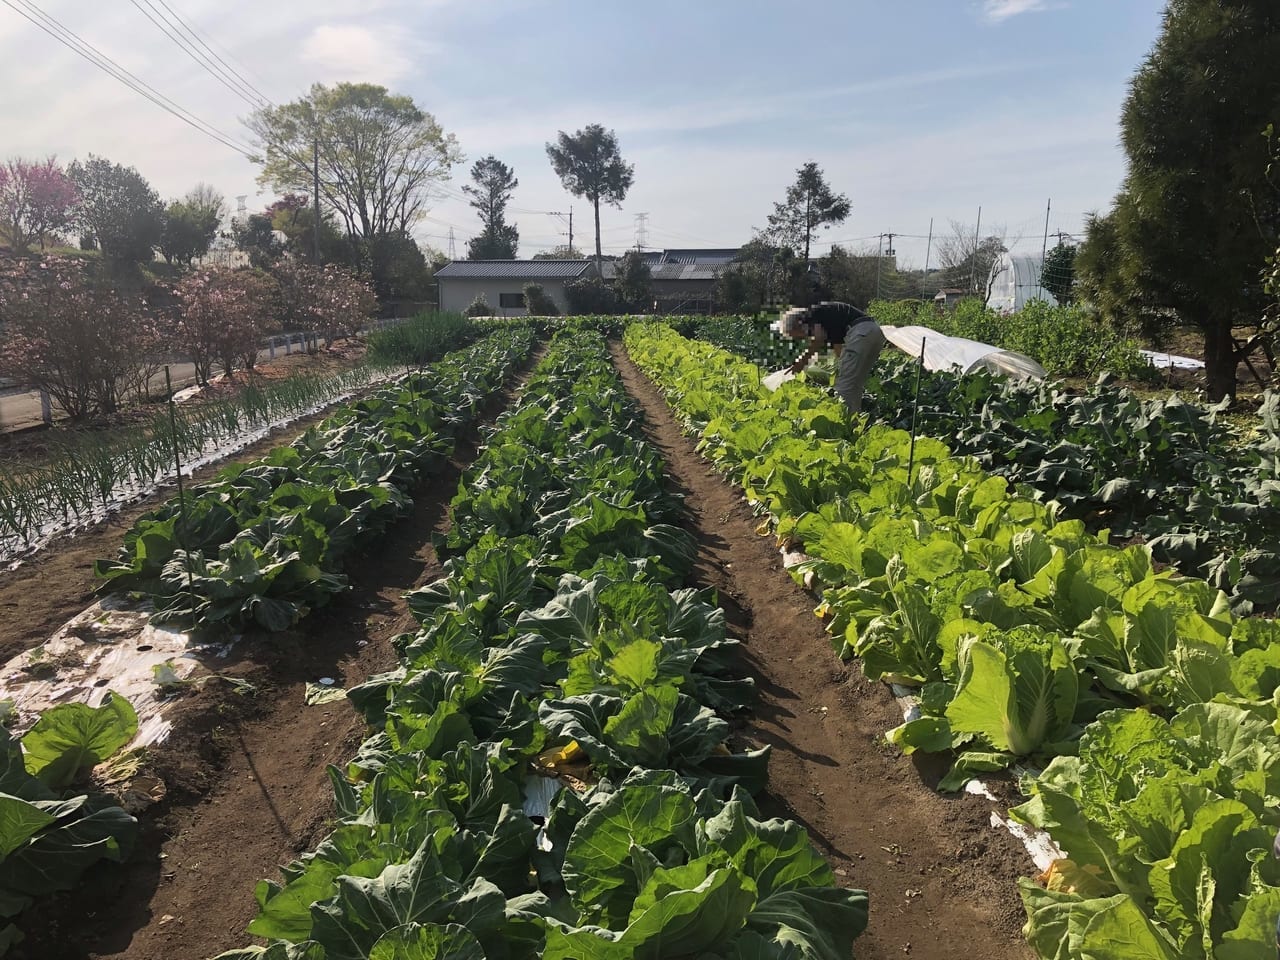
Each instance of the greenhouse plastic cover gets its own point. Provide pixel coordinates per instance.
(1157, 359)
(942, 352)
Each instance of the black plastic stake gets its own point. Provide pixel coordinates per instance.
(182, 497)
(915, 409)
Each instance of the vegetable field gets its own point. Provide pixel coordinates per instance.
(1027, 639)
(588, 714)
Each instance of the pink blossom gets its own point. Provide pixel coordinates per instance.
(37, 199)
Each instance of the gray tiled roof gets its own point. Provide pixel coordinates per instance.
(669, 271)
(514, 269)
(702, 256)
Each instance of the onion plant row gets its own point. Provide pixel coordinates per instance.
(88, 474)
(265, 541)
(548, 773)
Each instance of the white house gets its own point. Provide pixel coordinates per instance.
(503, 281)
(1015, 282)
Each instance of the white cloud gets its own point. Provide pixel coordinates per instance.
(351, 52)
(997, 10)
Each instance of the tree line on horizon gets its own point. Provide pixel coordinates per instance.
(1192, 238)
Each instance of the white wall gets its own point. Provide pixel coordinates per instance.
(457, 293)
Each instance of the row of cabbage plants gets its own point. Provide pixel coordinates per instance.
(549, 773)
(54, 823)
(1204, 493)
(1027, 640)
(263, 542)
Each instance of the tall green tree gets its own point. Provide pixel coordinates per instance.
(493, 185)
(590, 165)
(1198, 212)
(859, 278)
(118, 209)
(255, 237)
(561, 252)
(394, 265)
(810, 206)
(379, 154)
(1058, 273)
(190, 224)
(294, 216)
(634, 282)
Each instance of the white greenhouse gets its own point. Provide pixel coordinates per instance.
(1015, 282)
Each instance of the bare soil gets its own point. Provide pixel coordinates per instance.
(246, 778)
(940, 878)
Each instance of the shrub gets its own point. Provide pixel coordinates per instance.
(221, 317)
(422, 339)
(70, 332)
(538, 303)
(1066, 341)
(479, 307)
(590, 295)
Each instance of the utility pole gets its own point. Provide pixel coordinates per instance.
(557, 213)
(315, 197)
(889, 252)
(879, 259)
(641, 236)
(1044, 248)
(928, 249)
(973, 259)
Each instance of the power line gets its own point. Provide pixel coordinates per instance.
(69, 39)
(171, 32)
(197, 34)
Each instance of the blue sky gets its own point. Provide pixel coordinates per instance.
(915, 110)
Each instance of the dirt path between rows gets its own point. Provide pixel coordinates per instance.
(939, 877)
(246, 775)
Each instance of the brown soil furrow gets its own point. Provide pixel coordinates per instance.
(246, 778)
(939, 877)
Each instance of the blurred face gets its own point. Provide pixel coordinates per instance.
(793, 324)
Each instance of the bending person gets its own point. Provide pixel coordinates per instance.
(854, 336)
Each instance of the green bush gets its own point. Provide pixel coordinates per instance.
(538, 303)
(590, 296)
(423, 338)
(479, 307)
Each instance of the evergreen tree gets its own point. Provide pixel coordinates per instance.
(1199, 210)
(590, 165)
(810, 206)
(494, 184)
(1058, 273)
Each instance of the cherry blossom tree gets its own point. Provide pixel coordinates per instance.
(332, 301)
(70, 332)
(37, 198)
(342, 303)
(222, 318)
